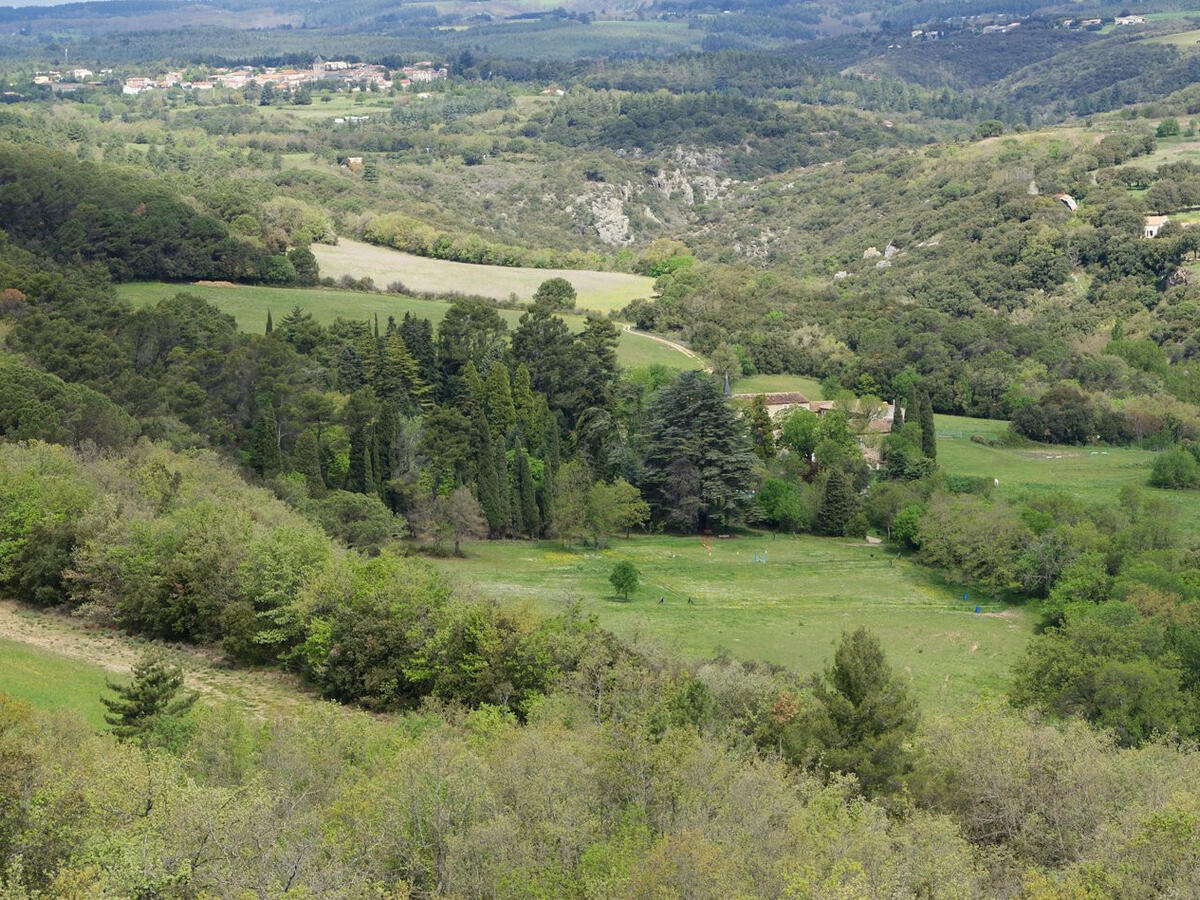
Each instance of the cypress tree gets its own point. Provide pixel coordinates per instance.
(498, 400)
(359, 420)
(837, 505)
(928, 430)
(264, 456)
(270, 324)
(503, 486)
(487, 487)
(762, 430)
(308, 462)
(474, 394)
(356, 477)
(523, 403)
(898, 418)
(385, 435)
(363, 474)
(526, 495)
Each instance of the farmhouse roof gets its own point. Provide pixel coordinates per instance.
(782, 398)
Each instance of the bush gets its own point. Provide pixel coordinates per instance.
(555, 294)
(857, 526)
(906, 526)
(360, 521)
(1175, 469)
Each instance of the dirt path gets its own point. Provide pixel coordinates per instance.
(258, 691)
(674, 345)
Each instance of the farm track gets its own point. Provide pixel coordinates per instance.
(674, 345)
(260, 692)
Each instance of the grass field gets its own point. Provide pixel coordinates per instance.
(49, 681)
(754, 384)
(1170, 150)
(790, 611)
(249, 306)
(1185, 40)
(1095, 474)
(598, 291)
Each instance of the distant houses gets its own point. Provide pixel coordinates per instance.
(782, 402)
(1152, 225)
(354, 75)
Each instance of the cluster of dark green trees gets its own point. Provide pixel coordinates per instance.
(135, 228)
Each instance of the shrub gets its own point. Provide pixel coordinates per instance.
(1175, 469)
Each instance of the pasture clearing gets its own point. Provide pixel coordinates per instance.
(54, 662)
(790, 611)
(49, 681)
(1184, 40)
(1170, 150)
(767, 384)
(1095, 474)
(249, 306)
(598, 291)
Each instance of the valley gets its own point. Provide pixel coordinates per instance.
(611, 450)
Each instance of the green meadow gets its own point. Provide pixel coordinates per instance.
(597, 291)
(1093, 473)
(249, 306)
(766, 384)
(789, 611)
(49, 681)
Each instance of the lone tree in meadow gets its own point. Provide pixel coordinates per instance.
(555, 294)
(624, 578)
(150, 703)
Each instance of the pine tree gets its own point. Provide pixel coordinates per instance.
(417, 334)
(149, 700)
(270, 324)
(928, 429)
(868, 715)
(264, 455)
(837, 505)
(368, 353)
(498, 401)
(762, 430)
(399, 380)
(350, 372)
(308, 462)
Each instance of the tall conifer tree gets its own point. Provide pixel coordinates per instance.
(928, 429)
(498, 400)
